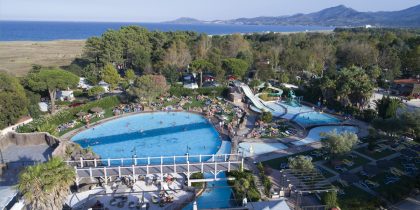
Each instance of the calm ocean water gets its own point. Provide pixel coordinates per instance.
(44, 31)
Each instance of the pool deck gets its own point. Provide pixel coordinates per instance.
(105, 194)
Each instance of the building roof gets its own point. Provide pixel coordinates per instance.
(269, 205)
(407, 81)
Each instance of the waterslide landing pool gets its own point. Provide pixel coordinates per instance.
(259, 148)
(315, 118)
(314, 134)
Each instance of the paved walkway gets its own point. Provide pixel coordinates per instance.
(362, 155)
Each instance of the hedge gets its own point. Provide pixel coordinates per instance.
(208, 91)
(68, 115)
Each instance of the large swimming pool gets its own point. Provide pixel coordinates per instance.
(152, 135)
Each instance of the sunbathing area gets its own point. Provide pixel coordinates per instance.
(147, 192)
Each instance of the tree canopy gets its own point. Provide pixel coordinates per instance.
(301, 162)
(339, 143)
(110, 75)
(235, 67)
(46, 186)
(148, 87)
(13, 100)
(50, 80)
(96, 91)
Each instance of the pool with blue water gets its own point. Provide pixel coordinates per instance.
(315, 118)
(152, 135)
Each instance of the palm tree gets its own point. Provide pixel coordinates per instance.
(46, 185)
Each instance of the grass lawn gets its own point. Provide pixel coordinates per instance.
(108, 114)
(357, 161)
(351, 191)
(375, 155)
(194, 103)
(275, 163)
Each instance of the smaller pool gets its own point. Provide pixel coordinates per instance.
(293, 110)
(217, 194)
(315, 118)
(314, 134)
(258, 148)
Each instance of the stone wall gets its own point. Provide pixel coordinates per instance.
(30, 139)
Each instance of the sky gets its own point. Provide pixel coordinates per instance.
(165, 10)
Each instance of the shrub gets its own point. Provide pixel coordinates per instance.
(68, 115)
(330, 199)
(369, 115)
(244, 186)
(266, 117)
(197, 176)
(208, 91)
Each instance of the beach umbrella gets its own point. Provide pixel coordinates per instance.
(97, 109)
(81, 114)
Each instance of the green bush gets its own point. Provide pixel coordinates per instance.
(330, 199)
(197, 176)
(68, 115)
(266, 117)
(208, 91)
(242, 190)
(369, 115)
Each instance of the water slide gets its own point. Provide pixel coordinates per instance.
(254, 99)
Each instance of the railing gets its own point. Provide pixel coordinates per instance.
(158, 169)
(82, 163)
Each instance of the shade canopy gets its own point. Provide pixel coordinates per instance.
(81, 114)
(96, 109)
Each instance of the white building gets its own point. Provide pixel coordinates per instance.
(65, 95)
(83, 84)
(104, 85)
(191, 86)
(43, 106)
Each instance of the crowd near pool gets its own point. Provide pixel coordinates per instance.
(152, 135)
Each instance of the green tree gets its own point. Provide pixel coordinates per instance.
(51, 80)
(254, 83)
(96, 91)
(330, 199)
(339, 143)
(200, 66)
(13, 100)
(46, 186)
(301, 162)
(353, 86)
(387, 107)
(266, 117)
(130, 75)
(236, 67)
(110, 75)
(148, 87)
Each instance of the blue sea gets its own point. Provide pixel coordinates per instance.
(45, 31)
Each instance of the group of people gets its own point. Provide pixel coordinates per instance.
(66, 126)
(127, 108)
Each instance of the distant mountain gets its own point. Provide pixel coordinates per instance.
(186, 20)
(340, 16)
